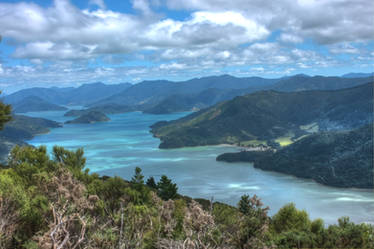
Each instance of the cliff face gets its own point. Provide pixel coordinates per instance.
(341, 159)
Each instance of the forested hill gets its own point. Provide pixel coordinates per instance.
(335, 158)
(22, 128)
(35, 104)
(270, 115)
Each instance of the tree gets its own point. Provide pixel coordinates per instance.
(166, 189)
(151, 182)
(138, 177)
(289, 218)
(253, 224)
(5, 111)
(244, 204)
(74, 160)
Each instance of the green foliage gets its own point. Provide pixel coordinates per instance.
(151, 183)
(138, 177)
(29, 163)
(75, 161)
(244, 205)
(289, 218)
(346, 234)
(109, 212)
(166, 189)
(5, 114)
(179, 213)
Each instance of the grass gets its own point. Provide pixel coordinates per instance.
(285, 140)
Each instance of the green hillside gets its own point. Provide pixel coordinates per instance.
(274, 117)
(335, 158)
(35, 104)
(22, 128)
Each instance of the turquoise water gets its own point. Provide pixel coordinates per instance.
(117, 147)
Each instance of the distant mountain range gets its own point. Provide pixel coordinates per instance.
(83, 95)
(303, 83)
(270, 116)
(156, 96)
(153, 92)
(358, 75)
(161, 96)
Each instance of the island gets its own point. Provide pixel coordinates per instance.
(89, 118)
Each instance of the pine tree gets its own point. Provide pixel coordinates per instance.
(166, 189)
(138, 177)
(244, 205)
(151, 182)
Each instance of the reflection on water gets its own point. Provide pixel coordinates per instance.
(118, 146)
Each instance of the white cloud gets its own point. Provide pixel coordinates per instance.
(324, 21)
(61, 40)
(172, 66)
(66, 32)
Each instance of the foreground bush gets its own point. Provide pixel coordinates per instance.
(54, 203)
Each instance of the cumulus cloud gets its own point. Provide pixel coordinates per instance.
(173, 66)
(324, 21)
(66, 32)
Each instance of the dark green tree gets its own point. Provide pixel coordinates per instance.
(74, 160)
(151, 182)
(138, 177)
(244, 205)
(166, 189)
(141, 195)
(289, 218)
(5, 111)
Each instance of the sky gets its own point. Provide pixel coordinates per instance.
(70, 42)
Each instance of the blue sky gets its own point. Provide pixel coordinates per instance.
(67, 43)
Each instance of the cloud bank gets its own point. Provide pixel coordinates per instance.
(215, 35)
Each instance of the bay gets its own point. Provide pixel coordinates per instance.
(117, 147)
